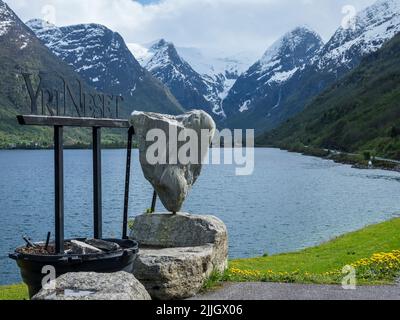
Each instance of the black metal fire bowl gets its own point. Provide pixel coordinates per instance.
(31, 265)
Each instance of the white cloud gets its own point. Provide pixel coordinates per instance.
(227, 26)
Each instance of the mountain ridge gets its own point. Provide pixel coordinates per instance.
(258, 93)
(102, 58)
(359, 114)
(191, 88)
(374, 26)
(21, 51)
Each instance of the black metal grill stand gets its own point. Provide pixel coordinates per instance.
(96, 124)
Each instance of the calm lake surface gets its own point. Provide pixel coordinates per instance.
(289, 203)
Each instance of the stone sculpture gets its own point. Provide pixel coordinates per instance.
(173, 179)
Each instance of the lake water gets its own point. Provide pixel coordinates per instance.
(289, 203)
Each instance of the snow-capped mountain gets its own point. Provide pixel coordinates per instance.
(192, 90)
(22, 51)
(262, 86)
(213, 64)
(6, 21)
(197, 80)
(85, 47)
(102, 58)
(370, 29)
(11, 27)
(258, 106)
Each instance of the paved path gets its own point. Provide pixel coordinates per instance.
(278, 291)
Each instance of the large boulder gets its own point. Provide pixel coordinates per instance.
(178, 253)
(174, 273)
(95, 286)
(172, 176)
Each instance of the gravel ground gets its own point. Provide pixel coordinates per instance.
(278, 291)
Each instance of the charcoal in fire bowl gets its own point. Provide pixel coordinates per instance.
(118, 255)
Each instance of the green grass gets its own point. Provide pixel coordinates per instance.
(214, 282)
(14, 292)
(311, 265)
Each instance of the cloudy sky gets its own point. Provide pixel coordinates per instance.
(219, 26)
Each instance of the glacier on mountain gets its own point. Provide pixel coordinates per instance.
(196, 71)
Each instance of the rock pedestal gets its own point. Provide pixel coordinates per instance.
(178, 253)
(95, 286)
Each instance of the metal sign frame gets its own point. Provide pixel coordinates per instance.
(58, 123)
(61, 107)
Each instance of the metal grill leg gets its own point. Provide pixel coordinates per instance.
(154, 202)
(97, 197)
(59, 188)
(131, 132)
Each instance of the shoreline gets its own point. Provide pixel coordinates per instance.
(357, 161)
